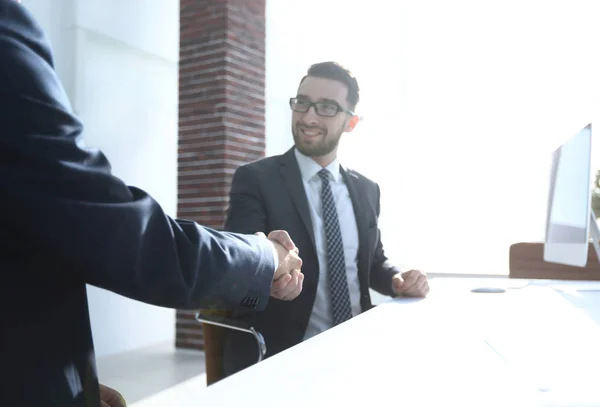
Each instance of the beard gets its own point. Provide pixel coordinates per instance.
(318, 147)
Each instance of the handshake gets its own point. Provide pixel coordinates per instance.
(287, 281)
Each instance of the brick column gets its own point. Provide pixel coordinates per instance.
(221, 112)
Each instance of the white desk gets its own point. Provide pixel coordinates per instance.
(529, 346)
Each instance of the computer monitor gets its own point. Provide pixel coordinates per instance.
(570, 220)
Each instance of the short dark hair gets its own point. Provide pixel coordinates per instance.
(335, 71)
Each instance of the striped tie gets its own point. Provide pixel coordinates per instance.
(338, 283)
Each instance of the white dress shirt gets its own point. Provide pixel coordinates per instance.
(321, 318)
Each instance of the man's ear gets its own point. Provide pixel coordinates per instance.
(352, 123)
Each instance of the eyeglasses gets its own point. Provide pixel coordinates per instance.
(325, 109)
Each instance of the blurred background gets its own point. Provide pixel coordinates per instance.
(462, 104)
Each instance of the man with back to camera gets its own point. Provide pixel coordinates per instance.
(329, 211)
(66, 221)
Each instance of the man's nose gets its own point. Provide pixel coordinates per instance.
(311, 116)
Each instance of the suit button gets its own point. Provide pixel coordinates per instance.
(250, 302)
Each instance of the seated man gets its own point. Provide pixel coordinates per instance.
(331, 214)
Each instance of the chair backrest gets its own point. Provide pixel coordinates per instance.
(214, 339)
(526, 260)
(214, 324)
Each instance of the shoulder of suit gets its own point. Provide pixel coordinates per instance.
(262, 165)
(360, 177)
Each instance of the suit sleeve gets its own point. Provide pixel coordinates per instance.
(382, 270)
(246, 212)
(63, 212)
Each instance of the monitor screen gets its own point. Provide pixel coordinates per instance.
(567, 223)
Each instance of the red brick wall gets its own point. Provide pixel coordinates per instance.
(221, 112)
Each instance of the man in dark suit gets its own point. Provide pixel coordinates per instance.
(331, 214)
(66, 221)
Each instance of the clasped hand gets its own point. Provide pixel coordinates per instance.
(288, 279)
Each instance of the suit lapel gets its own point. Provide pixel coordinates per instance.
(358, 203)
(293, 181)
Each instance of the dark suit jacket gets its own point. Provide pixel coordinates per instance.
(65, 222)
(269, 195)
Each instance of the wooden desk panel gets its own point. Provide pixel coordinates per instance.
(527, 261)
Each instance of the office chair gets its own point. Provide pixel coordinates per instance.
(214, 324)
(526, 260)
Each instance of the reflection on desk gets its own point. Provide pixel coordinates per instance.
(536, 344)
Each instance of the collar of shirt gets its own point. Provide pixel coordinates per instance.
(309, 168)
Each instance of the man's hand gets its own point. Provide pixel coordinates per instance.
(287, 281)
(412, 283)
(110, 397)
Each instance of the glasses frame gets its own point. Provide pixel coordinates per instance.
(295, 100)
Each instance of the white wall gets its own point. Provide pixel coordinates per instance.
(118, 62)
(461, 113)
(283, 71)
(289, 53)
